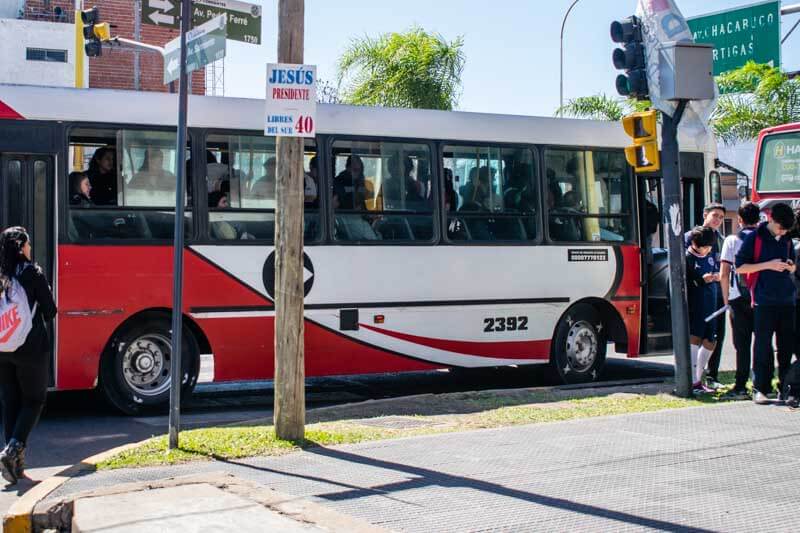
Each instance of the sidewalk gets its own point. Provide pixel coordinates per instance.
(732, 467)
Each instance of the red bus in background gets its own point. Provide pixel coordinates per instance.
(776, 173)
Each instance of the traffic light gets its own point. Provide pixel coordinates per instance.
(643, 155)
(630, 58)
(94, 32)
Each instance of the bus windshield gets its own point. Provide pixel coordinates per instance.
(779, 163)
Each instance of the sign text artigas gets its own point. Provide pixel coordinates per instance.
(291, 100)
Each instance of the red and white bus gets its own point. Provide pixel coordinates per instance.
(776, 174)
(471, 240)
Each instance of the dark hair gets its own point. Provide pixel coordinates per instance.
(783, 215)
(312, 163)
(214, 198)
(94, 164)
(702, 236)
(12, 240)
(749, 212)
(75, 179)
(712, 206)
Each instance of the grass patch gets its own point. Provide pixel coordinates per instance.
(441, 414)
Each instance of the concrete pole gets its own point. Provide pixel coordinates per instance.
(290, 407)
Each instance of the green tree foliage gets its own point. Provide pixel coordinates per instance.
(412, 69)
(601, 107)
(755, 96)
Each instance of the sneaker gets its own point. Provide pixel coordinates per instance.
(760, 398)
(699, 388)
(713, 384)
(736, 394)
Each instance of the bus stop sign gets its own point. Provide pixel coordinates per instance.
(204, 44)
(740, 35)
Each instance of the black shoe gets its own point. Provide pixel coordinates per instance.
(793, 402)
(19, 468)
(9, 460)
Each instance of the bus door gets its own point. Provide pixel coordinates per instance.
(26, 199)
(656, 332)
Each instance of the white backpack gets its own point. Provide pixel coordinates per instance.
(16, 317)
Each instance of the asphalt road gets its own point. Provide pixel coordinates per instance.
(76, 425)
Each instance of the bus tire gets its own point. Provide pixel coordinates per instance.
(135, 371)
(579, 345)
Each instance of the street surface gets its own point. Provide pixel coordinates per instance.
(77, 425)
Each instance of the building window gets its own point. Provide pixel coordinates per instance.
(43, 54)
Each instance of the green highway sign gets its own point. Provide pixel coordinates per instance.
(739, 35)
(243, 18)
(204, 44)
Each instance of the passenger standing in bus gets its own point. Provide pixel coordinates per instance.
(24, 372)
(103, 176)
(736, 295)
(713, 217)
(311, 185)
(768, 253)
(702, 284)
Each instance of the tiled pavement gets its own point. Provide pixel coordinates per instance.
(733, 467)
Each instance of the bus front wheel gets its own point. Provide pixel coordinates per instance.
(579, 345)
(135, 373)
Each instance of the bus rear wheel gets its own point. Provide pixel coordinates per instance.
(135, 373)
(579, 345)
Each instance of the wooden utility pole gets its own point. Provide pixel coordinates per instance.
(290, 397)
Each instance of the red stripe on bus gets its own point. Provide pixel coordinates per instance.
(501, 350)
(9, 113)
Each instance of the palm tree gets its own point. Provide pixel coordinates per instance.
(601, 107)
(412, 69)
(755, 96)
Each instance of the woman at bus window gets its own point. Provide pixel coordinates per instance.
(81, 189)
(152, 175)
(24, 372)
(103, 176)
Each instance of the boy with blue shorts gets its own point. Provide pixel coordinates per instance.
(702, 283)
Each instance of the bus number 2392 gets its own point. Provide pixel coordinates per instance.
(508, 323)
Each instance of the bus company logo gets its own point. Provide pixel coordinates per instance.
(9, 322)
(268, 275)
(779, 150)
(582, 256)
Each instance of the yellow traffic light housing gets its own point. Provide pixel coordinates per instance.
(643, 154)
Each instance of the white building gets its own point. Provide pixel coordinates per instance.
(36, 50)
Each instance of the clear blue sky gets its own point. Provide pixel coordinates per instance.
(511, 46)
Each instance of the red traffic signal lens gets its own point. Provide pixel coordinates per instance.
(625, 31)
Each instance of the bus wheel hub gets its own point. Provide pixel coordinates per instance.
(145, 364)
(582, 345)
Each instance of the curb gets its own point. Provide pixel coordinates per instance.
(18, 519)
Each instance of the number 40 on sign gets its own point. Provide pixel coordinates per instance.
(291, 103)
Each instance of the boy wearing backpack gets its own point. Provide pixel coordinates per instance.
(25, 304)
(736, 295)
(767, 254)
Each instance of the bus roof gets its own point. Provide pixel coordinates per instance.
(160, 109)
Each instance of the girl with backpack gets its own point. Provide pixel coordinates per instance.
(25, 304)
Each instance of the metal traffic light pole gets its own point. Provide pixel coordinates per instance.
(679, 312)
(176, 372)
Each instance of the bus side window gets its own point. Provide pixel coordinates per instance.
(497, 202)
(133, 172)
(381, 192)
(589, 196)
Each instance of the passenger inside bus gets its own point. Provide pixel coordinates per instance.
(152, 176)
(80, 190)
(475, 194)
(102, 174)
(562, 228)
(349, 187)
(311, 184)
(264, 187)
(400, 190)
(450, 197)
